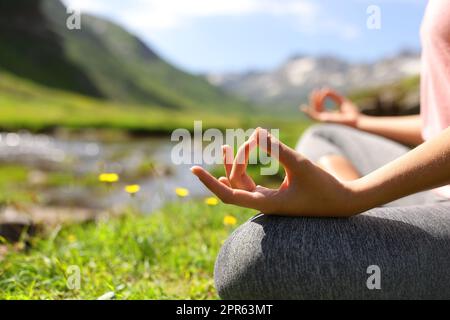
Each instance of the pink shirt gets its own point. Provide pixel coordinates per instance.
(435, 73)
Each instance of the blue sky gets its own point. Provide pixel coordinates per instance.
(238, 35)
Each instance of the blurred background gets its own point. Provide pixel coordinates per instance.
(76, 104)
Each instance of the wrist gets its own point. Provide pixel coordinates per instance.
(361, 196)
(361, 119)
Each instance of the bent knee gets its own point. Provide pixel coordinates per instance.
(274, 257)
(236, 267)
(264, 259)
(271, 257)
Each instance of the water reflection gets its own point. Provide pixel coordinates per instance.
(44, 153)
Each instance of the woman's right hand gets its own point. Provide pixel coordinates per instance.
(348, 113)
(307, 190)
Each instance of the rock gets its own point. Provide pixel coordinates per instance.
(37, 177)
(107, 296)
(16, 222)
(14, 231)
(13, 226)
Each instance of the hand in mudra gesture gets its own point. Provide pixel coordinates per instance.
(307, 190)
(347, 113)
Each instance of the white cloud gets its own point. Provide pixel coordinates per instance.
(154, 15)
(164, 14)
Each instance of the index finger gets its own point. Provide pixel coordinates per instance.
(227, 153)
(314, 100)
(243, 154)
(333, 95)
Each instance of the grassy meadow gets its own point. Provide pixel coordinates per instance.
(167, 255)
(26, 105)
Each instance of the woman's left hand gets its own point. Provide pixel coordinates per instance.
(307, 190)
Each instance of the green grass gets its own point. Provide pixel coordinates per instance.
(167, 255)
(29, 106)
(26, 105)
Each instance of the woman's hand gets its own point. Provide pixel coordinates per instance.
(404, 129)
(348, 113)
(306, 190)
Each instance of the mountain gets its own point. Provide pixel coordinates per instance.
(101, 60)
(289, 85)
(31, 49)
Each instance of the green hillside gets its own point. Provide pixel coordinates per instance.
(27, 105)
(32, 50)
(101, 60)
(399, 98)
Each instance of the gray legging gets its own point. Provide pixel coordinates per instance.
(408, 240)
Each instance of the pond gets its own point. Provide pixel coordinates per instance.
(143, 161)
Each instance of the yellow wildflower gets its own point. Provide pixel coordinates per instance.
(229, 220)
(132, 189)
(211, 201)
(182, 192)
(108, 177)
(71, 238)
